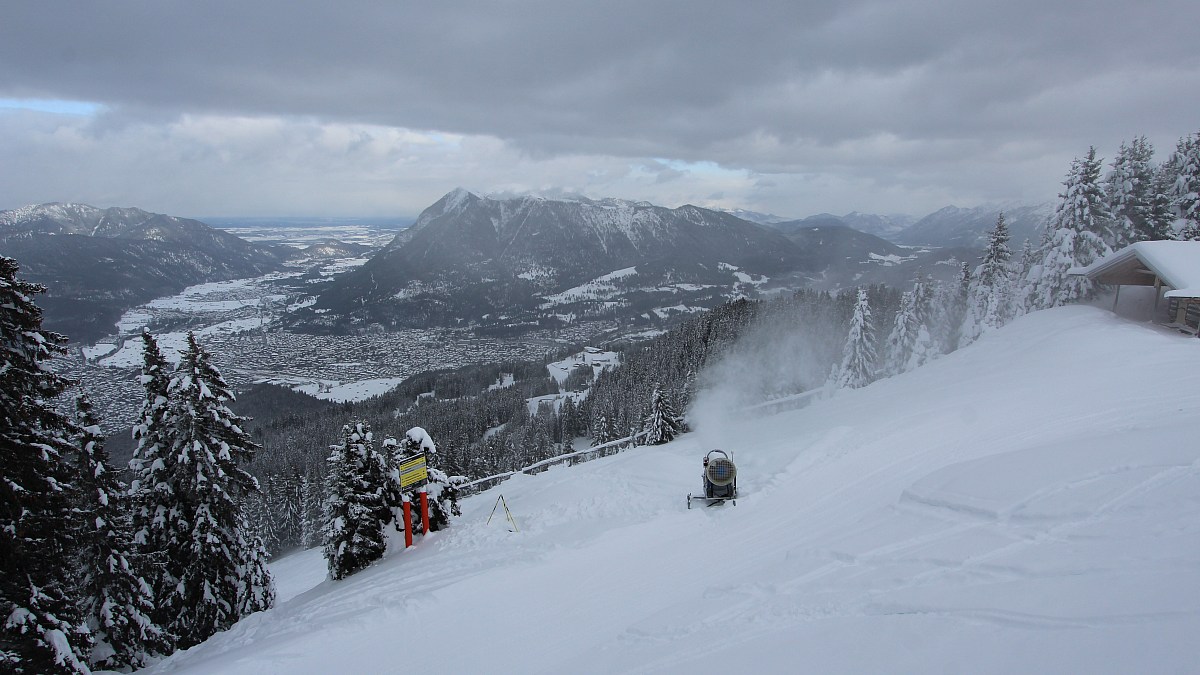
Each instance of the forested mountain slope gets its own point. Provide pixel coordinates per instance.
(96, 263)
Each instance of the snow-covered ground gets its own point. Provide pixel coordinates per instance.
(596, 359)
(600, 288)
(1028, 504)
(350, 391)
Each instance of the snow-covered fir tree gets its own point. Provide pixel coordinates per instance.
(286, 505)
(571, 425)
(1161, 206)
(150, 494)
(858, 367)
(117, 603)
(1075, 237)
(213, 571)
(41, 630)
(956, 303)
(1133, 197)
(602, 429)
(662, 424)
(356, 502)
(911, 342)
(989, 303)
(1185, 193)
(313, 490)
(1022, 273)
(259, 518)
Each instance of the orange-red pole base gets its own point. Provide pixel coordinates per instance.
(424, 512)
(407, 524)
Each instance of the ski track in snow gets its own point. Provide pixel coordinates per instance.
(1013, 507)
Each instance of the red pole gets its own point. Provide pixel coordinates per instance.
(424, 511)
(407, 523)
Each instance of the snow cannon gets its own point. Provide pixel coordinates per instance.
(720, 480)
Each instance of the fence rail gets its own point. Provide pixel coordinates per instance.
(576, 457)
(613, 447)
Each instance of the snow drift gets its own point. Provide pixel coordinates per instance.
(1028, 504)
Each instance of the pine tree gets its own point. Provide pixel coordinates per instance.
(41, 626)
(150, 495)
(858, 358)
(1022, 275)
(314, 510)
(990, 300)
(117, 602)
(569, 414)
(662, 424)
(1133, 197)
(1185, 193)
(1162, 211)
(902, 337)
(911, 342)
(602, 430)
(957, 306)
(1074, 238)
(213, 572)
(258, 516)
(290, 509)
(356, 504)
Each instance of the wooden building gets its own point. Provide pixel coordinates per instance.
(1172, 268)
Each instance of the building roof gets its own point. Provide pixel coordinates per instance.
(1176, 263)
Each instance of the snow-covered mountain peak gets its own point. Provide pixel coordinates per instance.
(526, 246)
(456, 200)
(57, 211)
(70, 217)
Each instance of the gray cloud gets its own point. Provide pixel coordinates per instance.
(918, 100)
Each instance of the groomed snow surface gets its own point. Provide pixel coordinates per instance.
(1029, 504)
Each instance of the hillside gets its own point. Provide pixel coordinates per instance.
(96, 263)
(471, 259)
(954, 226)
(849, 258)
(1026, 504)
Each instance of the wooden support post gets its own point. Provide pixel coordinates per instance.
(407, 522)
(424, 511)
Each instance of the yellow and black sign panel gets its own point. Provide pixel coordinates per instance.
(413, 470)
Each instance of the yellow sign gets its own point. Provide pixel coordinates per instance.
(413, 470)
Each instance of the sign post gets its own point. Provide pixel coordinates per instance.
(413, 470)
(407, 522)
(424, 511)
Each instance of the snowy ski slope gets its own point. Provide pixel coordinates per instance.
(1028, 504)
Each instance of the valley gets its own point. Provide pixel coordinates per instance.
(238, 322)
(350, 308)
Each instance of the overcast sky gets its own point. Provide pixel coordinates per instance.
(274, 107)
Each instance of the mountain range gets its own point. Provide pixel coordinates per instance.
(954, 226)
(530, 261)
(948, 227)
(98, 263)
(498, 264)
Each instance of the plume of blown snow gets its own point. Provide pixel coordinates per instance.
(781, 358)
